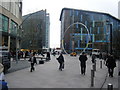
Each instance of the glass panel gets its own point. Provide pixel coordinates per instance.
(4, 23)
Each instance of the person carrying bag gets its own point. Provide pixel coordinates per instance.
(61, 62)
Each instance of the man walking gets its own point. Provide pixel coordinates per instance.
(61, 62)
(48, 56)
(33, 61)
(83, 59)
(111, 64)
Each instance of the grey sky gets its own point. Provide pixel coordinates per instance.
(54, 7)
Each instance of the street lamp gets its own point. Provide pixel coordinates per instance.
(110, 23)
(16, 44)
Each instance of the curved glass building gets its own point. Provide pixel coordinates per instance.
(104, 31)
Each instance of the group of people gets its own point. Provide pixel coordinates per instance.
(110, 62)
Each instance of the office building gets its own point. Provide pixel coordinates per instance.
(83, 30)
(10, 20)
(36, 29)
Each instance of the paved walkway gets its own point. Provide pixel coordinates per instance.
(48, 76)
(21, 64)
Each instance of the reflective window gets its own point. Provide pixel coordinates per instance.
(13, 29)
(3, 23)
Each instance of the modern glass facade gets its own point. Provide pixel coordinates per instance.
(36, 31)
(3, 23)
(76, 37)
(10, 20)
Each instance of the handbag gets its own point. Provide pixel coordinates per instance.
(29, 60)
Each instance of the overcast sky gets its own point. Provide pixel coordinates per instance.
(54, 7)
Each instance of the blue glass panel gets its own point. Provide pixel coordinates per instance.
(98, 30)
(104, 30)
(86, 23)
(83, 48)
(70, 12)
(81, 17)
(76, 25)
(77, 13)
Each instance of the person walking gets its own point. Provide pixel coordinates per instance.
(61, 62)
(3, 83)
(48, 56)
(33, 61)
(93, 58)
(111, 64)
(83, 59)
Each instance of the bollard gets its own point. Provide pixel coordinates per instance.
(110, 86)
(101, 64)
(92, 78)
(93, 67)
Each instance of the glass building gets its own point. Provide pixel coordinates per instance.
(87, 30)
(10, 20)
(36, 32)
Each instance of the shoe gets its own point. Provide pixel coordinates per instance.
(60, 69)
(111, 75)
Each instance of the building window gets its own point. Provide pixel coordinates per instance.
(3, 23)
(81, 18)
(13, 27)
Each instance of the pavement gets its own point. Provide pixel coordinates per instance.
(20, 64)
(47, 75)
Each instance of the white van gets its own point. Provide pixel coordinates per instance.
(96, 52)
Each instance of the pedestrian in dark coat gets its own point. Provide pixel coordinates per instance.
(83, 59)
(61, 62)
(100, 55)
(48, 56)
(93, 58)
(33, 61)
(111, 64)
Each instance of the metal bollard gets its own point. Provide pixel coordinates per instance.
(92, 78)
(110, 86)
(93, 67)
(101, 64)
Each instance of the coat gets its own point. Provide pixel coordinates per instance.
(33, 61)
(110, 63)
(60, 59)
(83, 59)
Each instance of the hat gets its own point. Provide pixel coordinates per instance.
(1, 68)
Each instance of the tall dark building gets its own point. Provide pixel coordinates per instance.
(36, 28)
(76, 37)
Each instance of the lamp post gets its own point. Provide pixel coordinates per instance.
(110, 23)
(16, 45)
